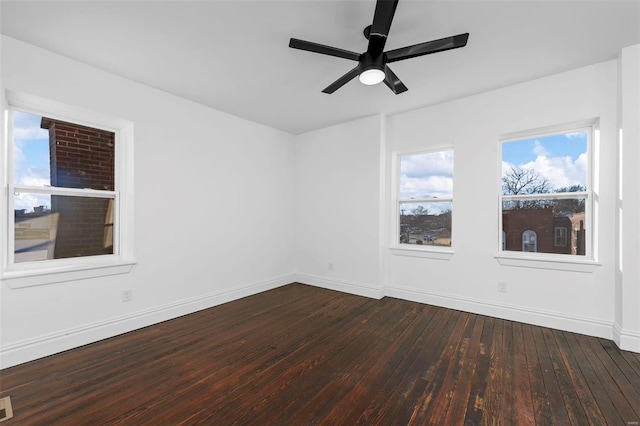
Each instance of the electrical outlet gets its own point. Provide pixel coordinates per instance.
(502, 287)
(127, 295)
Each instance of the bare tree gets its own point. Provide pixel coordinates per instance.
(570, 205)
(519, 181)
(420, 211)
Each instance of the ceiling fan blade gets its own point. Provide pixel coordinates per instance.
(427, 48)
(342, 80)
(393, 82)
(321, 48)
(382, 18)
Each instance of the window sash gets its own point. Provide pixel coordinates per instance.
(67, 192)
(396, 172)
(13, 189)
(547, 196)
(400, 202)
(590, 127)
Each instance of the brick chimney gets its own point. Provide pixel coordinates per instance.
(81, 157)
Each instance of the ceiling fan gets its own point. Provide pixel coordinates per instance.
(372, 65)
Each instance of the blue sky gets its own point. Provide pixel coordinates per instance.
(561, 159)
(30, 158)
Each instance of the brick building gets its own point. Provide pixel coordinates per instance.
(538, 230)
(81, 157)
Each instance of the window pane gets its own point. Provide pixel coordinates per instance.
(31, 165)
(50, 152)
(544, 226)
(556, 163)
(427, 175)
(62, 227)
(425, 223)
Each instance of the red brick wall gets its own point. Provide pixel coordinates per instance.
(516, 221)
(81, 157)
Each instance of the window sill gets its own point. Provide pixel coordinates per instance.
(546, 262)
(439, 254)
(52, 275)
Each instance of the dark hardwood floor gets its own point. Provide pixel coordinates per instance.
(300, 355)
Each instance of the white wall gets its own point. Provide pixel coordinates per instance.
(213, 209)
(627, 300)
(575, 301)
(329, 173)
(338, 207)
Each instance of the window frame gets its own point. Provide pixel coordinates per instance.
(588, 262)
(27, 274)
(564, 236)
(528, 233)
(416, 250)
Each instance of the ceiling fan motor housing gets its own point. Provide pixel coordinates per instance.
(368, 62)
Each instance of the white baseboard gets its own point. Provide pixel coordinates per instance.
(627, 340)
(351, 287)
(577, 324)
(583, 325)
(28, 350)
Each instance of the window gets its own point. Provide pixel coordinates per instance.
(63, 189)
(425, 199)
(65, 184)
(561, 236)
(529, 241)
(546, 191)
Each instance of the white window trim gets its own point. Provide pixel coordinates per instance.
(411, 250)
(29, 274)
(563, 262)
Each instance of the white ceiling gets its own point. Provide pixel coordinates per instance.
(234, 55)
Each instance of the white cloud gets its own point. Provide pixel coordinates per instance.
(539, 149)
(426, 187)
(33, 176)
(28, 201)
(560, 171)
(429, 164)
(506, 167)
(27, 133)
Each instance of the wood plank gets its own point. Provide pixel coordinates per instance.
(434, 401)
(578, 381)
(403, 396)
(479, 382)
(523, 399)
(567, 389)
(508, 414)
(466, 368)
(594, 380)
(552, 389)
(361, 404)
(344, 386)
(541, 405)
(493, 408)
(304, 355)
(630, 392)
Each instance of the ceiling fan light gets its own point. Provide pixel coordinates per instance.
(371, 76)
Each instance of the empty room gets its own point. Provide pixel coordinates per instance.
(303, 212)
